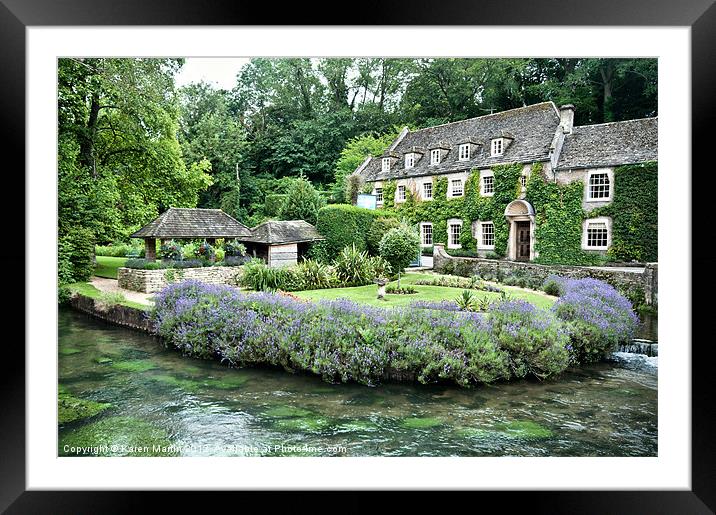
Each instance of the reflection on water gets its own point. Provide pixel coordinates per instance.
(164, 404)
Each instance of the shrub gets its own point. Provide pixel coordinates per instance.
(535, 340)
(171, 250)
(205, 251)
(405, 290)
(552, 286)
(381, 268)
(189, 251)
(342, 225)
(76, 255)
(143, 264)
(343, 341)
(234, 248)
(378, 229)
(302, 202)
(258, 276)
(313, 275)
(598, 317)
(399, 247)
(426, 251)
(354, 267)
(466, 301)
(64, 294)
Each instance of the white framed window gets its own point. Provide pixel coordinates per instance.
(597, 234)
(487, 185)
(426, 234)
(379, 195)
(409, 160)
(386, 164)
(456, 189)
(427, 191)
(486, 236)
(497, 147)
(435, 156)
(454, 228)
(400, 193)
(599, 185)
(464, 152)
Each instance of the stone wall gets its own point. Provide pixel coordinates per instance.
(150, 281)
(121, 315)
(645, 279)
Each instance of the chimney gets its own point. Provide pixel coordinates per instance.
(566, 117)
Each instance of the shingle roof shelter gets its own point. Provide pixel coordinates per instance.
(281, 243)
(190, 223)
(275, 232)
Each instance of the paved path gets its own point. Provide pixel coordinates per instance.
(110, 285)
(632, 269)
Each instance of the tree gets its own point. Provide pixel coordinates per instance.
(120, 163)
(352, 156)
(399, 247)
(302, 202)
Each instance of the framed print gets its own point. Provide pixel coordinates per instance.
(423, 257)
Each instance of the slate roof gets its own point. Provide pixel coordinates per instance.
(610, 144)
(276, 232)
(179, 222)
(532, 127)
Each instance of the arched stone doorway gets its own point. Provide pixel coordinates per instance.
(521, 240)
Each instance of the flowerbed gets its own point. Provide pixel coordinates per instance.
(344, 341)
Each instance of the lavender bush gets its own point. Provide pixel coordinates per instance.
(340, 340)
(597, 316)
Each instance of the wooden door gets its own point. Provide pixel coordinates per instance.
(522, 241)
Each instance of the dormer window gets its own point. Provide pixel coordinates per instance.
(435, 156)
(498, 147)
(464, 152)
(386, 164)
(409, 160)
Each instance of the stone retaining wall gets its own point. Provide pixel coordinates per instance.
(645, 281)
(121, 315)
(150, 281)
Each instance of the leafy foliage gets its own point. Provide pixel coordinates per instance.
(354, 267)
(343, 225)
(399, 247)
(301, 202)
(634, 213)
(75, 255)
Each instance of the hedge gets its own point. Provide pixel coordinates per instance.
(343, 225)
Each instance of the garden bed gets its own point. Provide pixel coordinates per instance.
(344, 341)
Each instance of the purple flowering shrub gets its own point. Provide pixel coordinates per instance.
(598, 317)
(535, 341)
(344, 341)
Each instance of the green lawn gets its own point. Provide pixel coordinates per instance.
(367, 294)
(107, 266)
(89, 290)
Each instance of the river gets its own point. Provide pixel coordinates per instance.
(168, 405)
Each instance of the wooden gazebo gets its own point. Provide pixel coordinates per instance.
(189, 224)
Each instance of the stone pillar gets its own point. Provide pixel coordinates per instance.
(150, 249)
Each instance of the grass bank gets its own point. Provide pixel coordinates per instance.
(107, 266)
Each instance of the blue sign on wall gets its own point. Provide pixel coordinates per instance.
(366, 201)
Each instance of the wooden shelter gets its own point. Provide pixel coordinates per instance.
(281, 243)
(190, 224)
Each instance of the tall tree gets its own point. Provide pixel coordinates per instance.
(119, 159)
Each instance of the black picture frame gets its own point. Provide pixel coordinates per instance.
(700, 15)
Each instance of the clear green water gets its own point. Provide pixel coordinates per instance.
(164, 404)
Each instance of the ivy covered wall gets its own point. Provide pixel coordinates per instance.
(558, 213)
(634, 213)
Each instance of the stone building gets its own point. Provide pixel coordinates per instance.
(281, 243)
(539, 134)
